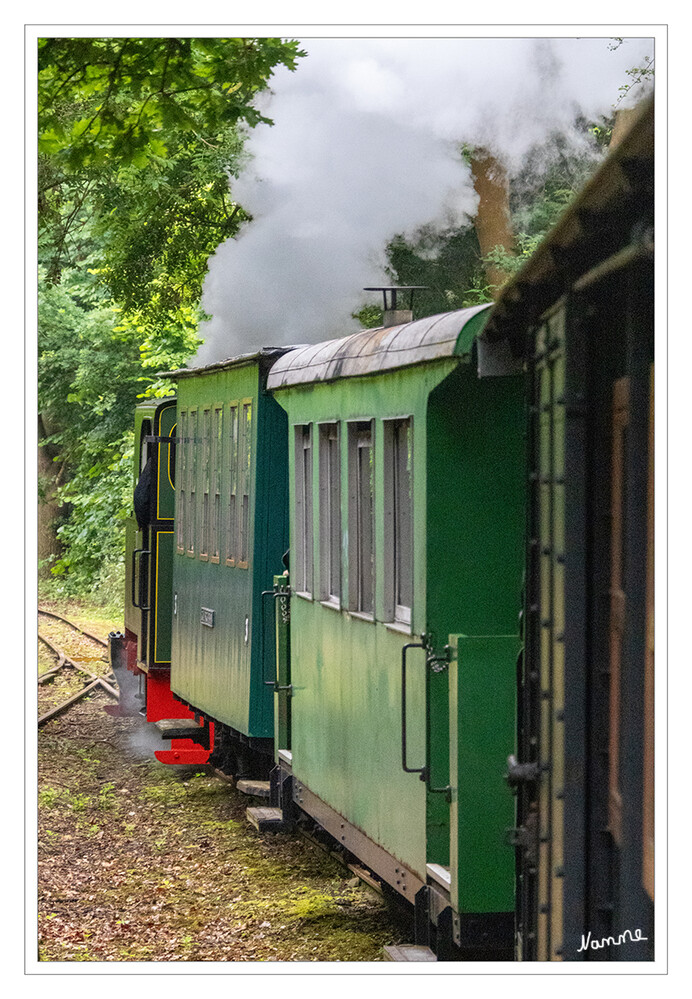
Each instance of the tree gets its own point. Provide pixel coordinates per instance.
(138, 138)
(149, 123)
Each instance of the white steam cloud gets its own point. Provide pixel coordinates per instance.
(365, 146)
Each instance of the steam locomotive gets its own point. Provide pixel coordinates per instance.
(404, 581)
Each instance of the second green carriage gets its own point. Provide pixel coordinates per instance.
(230, 536)
(406, 499)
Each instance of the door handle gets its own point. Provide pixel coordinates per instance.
(135, 553)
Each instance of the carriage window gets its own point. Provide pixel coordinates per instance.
(182, 490)
(143, 446)
(233, 479)
(361, 508)
(398, 513)
(303, 509)
(245, 461)
(191, 463)
(216, 459)
(330, 512)
(172, 451)
(206, 480)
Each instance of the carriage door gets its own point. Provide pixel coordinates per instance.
(537, 774)
(139, 559)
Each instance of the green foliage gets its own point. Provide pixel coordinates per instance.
(640, 77)
(137, 140)
(447, 263)
(88, 377)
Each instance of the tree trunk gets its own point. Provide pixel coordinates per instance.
(493, 225)
(623, 122)
(48, 507)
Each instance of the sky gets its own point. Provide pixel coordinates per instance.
(364, 146)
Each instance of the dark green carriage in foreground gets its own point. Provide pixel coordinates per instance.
(407, 522)
(230, 535)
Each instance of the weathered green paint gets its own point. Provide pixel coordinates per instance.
(472, 328)
(475, 530)
(346, 671)
(482, 720)
(222, 669)
(467, 486)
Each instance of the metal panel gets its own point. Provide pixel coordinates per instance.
(482, 720)
(391, 870)
(372, 351)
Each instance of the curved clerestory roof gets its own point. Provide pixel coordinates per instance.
(368, 352)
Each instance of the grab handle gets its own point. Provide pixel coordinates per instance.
(135, 553)
(406, 767)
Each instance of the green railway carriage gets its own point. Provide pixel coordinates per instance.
(230, 535)
(406, 500)
(149, 538)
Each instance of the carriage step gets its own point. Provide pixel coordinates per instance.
(267, 819)
(408, 952)
(257, 788)
(179, 728)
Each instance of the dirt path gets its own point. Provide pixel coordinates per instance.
(143, 862)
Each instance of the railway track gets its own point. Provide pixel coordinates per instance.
(93, 681)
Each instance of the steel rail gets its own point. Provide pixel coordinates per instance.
(82, 631)
(63, 660)
(94, 682)
(99, 682)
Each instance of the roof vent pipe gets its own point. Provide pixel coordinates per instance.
(393, 315)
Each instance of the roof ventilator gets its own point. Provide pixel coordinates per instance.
(393, 316)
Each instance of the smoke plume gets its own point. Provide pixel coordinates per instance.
(366, 144)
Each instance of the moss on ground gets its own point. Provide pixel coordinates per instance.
(143, 862)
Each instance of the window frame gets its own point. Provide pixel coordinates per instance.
(329, 514)
(205, 526)
(231, 510)
(394, 512)
(191, 519)
(217, 444)
(245, 469)
(303, 509)
(181, 474)
(358, 431)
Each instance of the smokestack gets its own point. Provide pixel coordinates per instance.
(493, 226)
(393, 315)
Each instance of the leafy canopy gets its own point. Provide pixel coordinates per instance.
(138, 139)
